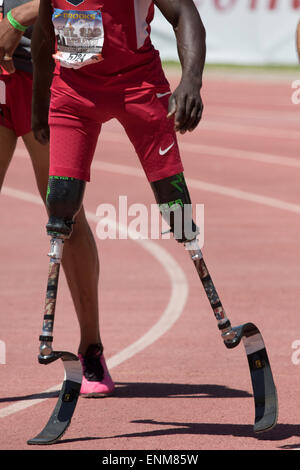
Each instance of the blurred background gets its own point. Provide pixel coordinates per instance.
(246, 32)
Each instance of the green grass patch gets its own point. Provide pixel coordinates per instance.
(239, 68)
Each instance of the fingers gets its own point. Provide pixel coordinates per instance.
(172, 107)
(187, 111)
(187, 115)
(194, 118)
(177, 109)
(42, 135)
(181, 115)
(7, 64)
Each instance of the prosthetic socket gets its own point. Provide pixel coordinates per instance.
(64, 199)
(173, 199)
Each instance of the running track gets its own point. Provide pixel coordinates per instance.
(178, 388)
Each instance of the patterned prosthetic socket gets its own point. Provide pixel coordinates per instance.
(175, 205)
(64, 199)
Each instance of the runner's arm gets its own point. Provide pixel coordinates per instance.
(42, 48)
(10, 37)
(186, 103)
(298, 39)
(27, 13)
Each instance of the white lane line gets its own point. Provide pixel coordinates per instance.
(200, 185)
(240, 112)
(177, 301)
(261, 157)
(249, 130)
(246, 196)
(215, 151)
(202, 150)
(23, 404)
(204, 186)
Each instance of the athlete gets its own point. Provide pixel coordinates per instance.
(15, 121)
(94, 61)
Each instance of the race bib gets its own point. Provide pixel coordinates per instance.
(79, 37)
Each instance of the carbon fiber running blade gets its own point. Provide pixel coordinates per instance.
(264, 389)
(63, 412)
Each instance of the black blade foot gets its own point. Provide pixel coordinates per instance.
(264, 389)
(65, 406)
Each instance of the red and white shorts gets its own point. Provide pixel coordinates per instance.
(77, 114)
(15, 102)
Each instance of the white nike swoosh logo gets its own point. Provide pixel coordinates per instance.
(163, 152)
(160, 95)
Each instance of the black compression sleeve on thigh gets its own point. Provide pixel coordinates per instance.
(64, 199)
(175, 205)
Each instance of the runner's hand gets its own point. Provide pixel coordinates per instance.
(41, 132)
(42, 135)
(186, 106)
(39, 122)
(9, 40)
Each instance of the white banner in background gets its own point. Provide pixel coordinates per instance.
(239, 31)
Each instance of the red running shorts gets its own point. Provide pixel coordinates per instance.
(77, 114)
(15, 102)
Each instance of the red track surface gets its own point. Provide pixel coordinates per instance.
(184, 391)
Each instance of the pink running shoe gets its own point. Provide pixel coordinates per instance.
(96, 381)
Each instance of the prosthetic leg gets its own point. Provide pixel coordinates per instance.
(174, 201)
(64, 199)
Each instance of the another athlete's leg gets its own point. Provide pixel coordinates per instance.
(83, 279)
(8, 141)
(39, 155)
